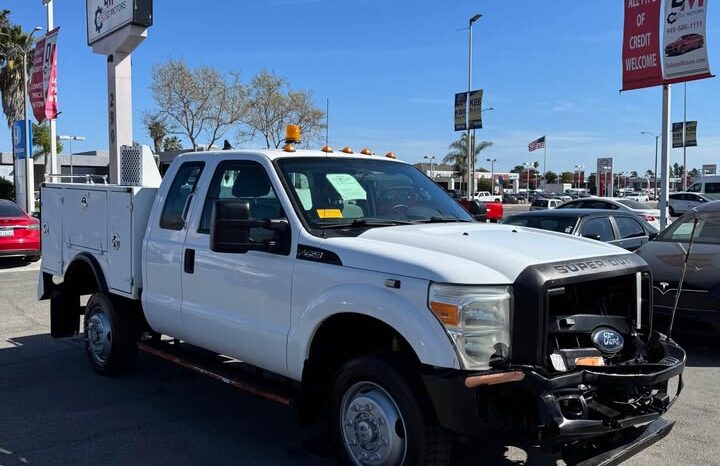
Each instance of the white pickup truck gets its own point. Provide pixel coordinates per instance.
(366, 291)
(485, 196)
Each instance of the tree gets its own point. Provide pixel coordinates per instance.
(41, 141)
(7, 189)
(457, 156)
(272, 105)
(551, 177)
(157, 130)
(172, 144)
(12, 41)
(633, 174)
(649, 174)
(198, 103)
(567, 177)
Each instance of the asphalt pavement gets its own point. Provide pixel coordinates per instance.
(54, 410)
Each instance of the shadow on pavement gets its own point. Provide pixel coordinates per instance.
(56, 410)
(13, 263)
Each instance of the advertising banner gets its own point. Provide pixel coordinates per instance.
(107, 16)
(18, 129)
(475, 116)
(709, 169)
(690, 134)
(460, 109)
(685, 40)
(43, 78)
(641, 45)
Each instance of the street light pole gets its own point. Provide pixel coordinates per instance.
(29, 170)
(432, 170)
(492, 174)
(70, 139)
(657, 137)
(470, 142)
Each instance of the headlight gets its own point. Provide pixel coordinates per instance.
(477, 318)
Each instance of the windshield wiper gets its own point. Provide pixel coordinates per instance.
(436, 219)
(364, 222)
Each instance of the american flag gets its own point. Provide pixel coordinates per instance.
(537, 144)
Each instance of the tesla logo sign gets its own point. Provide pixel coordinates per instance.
(690, 3)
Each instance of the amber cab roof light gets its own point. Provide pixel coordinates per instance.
(390, 155)
(347, 150)
(366, 151)
(292, 134)
(289, 148)
(327, 149)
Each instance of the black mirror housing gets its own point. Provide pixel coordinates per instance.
(231, 224)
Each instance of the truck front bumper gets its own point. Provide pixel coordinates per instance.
(618, 407)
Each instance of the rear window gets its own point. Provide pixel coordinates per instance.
(540, 203)
(707, 230)
(712, 188)
(8, 209)
(558, 224)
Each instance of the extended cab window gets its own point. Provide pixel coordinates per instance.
(179, 194)
(599, 229)
(629, 227)
(246, 181)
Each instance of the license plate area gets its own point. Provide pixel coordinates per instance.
(6, 233)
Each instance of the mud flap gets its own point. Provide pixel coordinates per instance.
(64, 313)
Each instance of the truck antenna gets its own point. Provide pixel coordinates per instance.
(682, 277)
(327, 121)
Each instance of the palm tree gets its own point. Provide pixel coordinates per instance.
(457, 156)
(172, 143)
(12, 40)
(157, 130)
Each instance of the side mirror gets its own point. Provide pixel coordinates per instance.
(652, 235)
(231, 224)
(592, 236)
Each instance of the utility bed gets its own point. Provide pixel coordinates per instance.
(105, 222)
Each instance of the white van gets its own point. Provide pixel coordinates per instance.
(709, 185)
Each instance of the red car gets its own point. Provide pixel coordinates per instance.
(19, 232)
(685, 44)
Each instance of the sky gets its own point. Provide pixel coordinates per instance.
(390, 70)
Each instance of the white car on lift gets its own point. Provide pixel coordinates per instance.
(371, 299)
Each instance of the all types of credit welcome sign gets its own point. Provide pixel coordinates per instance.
(683, 56)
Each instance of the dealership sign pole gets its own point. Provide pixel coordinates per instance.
(114, 29)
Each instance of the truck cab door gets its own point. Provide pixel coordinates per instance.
(164, 249)
(238, 304)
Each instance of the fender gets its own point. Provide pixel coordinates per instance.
(94, 265)
(414, 322)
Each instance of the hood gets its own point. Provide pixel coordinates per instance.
(470, 253)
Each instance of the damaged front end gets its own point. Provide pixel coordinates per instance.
(586, 374)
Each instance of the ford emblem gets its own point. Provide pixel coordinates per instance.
(607, 340)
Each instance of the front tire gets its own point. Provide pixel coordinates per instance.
(380, 417)
(111, 335)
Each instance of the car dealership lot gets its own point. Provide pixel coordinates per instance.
(56, 410)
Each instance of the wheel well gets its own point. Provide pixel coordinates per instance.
(84, 276)
(337, 340)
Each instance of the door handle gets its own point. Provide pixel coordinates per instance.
(189, 262)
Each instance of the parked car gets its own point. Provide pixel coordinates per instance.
(455, 193)
(19, 232)
(637, 197)
(685, 44)
(544, 204)
(510, 199)
(708, 185)
(618, 227)
(652, 216)
(477, 209)
(680, 203)
(699, 305)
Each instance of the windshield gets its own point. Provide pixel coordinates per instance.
(632, 204)
(707, 230)
(333, 192)
(558, 224)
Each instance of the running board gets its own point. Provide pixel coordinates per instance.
(221, 368)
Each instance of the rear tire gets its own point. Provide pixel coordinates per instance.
(379, 416)
(111, 335)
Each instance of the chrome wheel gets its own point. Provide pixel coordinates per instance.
(99, 335)
(373, 428)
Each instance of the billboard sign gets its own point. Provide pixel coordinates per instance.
(641, 45)
(690, 134)
(43, 78)
(460, 110)
(709, 169)
(604, 177)
(107, 16)
(475, 116)
(685, 40)
(18, 132)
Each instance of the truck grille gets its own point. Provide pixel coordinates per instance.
(574, 311)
